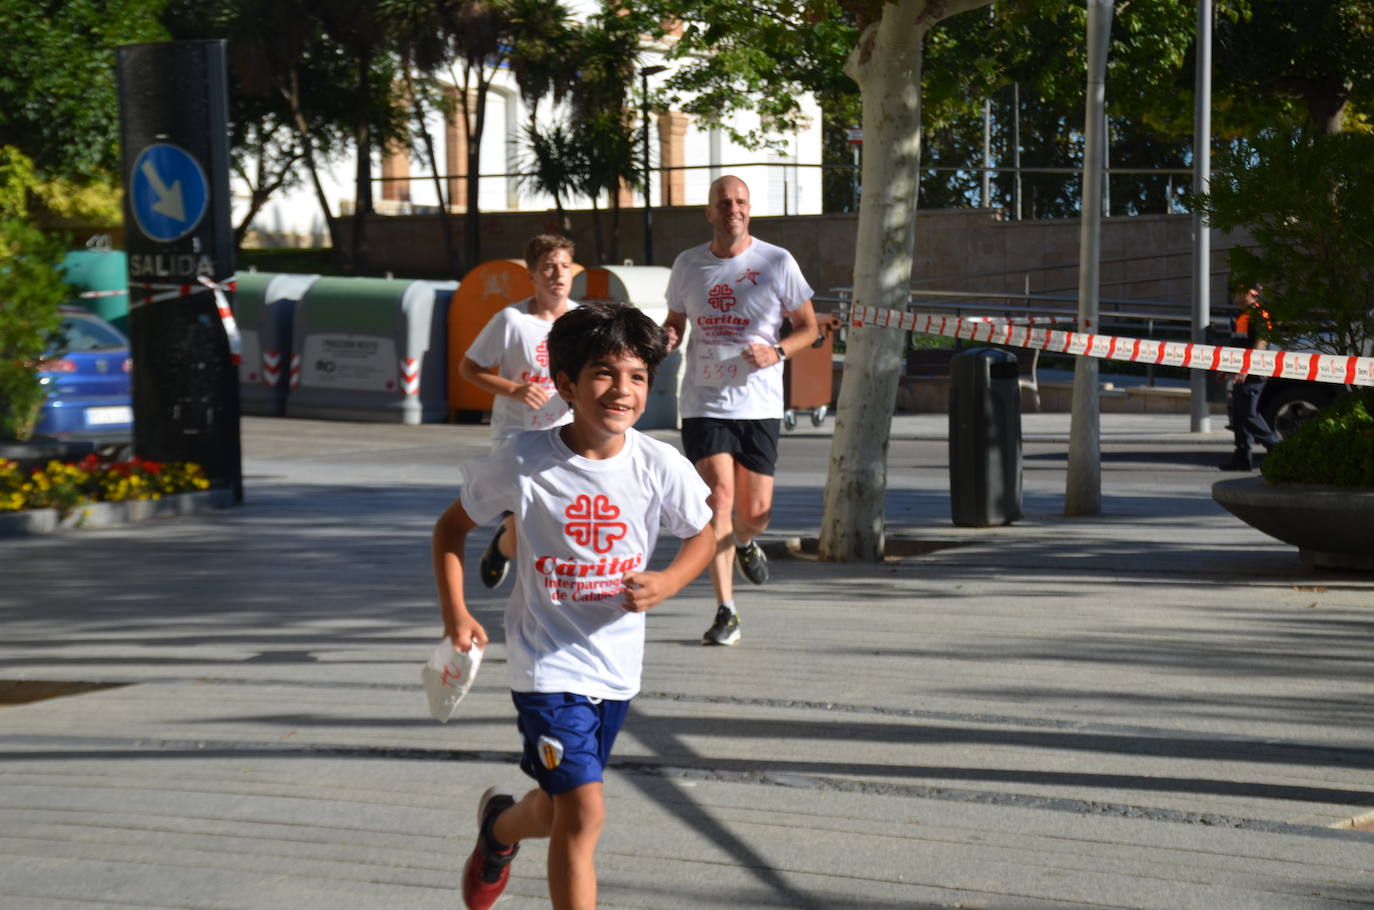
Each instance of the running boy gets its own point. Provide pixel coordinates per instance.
(510, 360)
(587, 499)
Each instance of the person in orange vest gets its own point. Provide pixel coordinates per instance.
(1247, 423)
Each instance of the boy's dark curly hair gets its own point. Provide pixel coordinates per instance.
(596, 330)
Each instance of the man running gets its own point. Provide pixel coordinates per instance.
(735, 292)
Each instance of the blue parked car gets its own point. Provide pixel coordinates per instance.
(87, 379)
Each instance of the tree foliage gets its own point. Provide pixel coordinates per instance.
(1307, 200)
(1298, 62)
(366, 35)
(284, 103)
(555, 164)
(759, 57)
(31, 288)
(603, 117)
(1276, 64)
(60, 160)
(58, 82)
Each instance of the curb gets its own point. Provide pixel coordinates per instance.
(35, 522)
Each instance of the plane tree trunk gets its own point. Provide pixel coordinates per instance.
(886, 64)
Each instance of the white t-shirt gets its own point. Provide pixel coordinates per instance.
(516, 343)
(580, 525)
(730, 303)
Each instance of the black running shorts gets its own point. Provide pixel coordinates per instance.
(752, 443)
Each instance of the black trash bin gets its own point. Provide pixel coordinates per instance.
(984, 438)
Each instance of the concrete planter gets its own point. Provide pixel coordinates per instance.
(31, 522)
(1330, 526)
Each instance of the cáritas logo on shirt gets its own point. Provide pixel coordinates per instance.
(539, 379)
(591, 522)
(721, 297)
(613, 566)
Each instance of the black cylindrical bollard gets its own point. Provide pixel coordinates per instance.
(984, 438)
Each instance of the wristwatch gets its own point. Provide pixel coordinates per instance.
(782, 355)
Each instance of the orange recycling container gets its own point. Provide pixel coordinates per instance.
(482, 292)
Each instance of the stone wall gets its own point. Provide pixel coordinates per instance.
(1146, 257)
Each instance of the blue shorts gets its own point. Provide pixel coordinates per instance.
(568, 737)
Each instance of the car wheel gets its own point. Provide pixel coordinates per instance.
(1293, 407)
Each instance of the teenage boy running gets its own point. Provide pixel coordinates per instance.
(510, 360)
(588, 499)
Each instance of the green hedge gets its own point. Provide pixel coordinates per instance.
(1336, 447)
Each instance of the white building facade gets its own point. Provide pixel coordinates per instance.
(685, 156)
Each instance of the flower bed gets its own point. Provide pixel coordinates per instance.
(65, 487)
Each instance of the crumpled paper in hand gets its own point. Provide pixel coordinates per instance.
(448, 675)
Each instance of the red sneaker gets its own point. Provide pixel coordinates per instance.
(486, 872)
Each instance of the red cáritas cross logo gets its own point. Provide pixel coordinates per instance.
(541, 353)
(721, 297)
(591, 522)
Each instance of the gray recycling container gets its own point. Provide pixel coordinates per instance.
(370, 349)
(265, 308)
(984, 438)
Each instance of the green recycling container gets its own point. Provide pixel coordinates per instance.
(101, 277)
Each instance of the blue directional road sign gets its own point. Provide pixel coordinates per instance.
(168, 191)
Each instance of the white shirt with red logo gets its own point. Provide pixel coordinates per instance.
(731, 303)
(581, 524)
(516, 344)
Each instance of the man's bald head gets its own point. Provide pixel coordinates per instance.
(727, 210)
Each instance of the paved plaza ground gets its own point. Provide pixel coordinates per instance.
(1156, 707)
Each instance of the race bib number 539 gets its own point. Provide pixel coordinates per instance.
(719, 365)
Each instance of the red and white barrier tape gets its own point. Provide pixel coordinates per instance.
(88, 295)
(1335, 368)
(1023, 320)
(226, 316)
(155, 293)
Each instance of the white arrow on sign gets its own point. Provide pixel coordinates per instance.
(169, 201)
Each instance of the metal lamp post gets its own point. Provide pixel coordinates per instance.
(644, 74)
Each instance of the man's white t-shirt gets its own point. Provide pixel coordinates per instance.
(581, 524)
(516, 344)
(731, 303)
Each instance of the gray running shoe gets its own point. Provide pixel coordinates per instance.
(753, 565)
(725, 630)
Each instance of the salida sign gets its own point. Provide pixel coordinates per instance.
(168, 198)
(174, 107)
